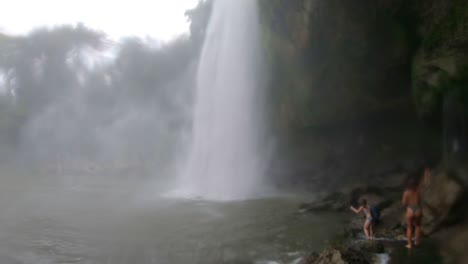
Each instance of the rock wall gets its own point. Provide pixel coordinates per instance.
(364, 84)
(363, 91)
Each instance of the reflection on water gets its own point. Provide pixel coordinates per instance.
(116, 225)
(427, 253)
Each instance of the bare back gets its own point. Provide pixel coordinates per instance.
(412, 197)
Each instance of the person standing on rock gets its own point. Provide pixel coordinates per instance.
(368, 224)
(412, 203)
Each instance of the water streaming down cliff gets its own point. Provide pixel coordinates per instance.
(225, 161)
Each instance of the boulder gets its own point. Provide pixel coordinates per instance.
(310, 258)
(392, 221)
(330, 256)
(332, 202)
(441, 196)
(374, 195)
(454, 241)
(338, 256)
(341, 201)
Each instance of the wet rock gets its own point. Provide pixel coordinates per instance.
(310, 258)
(340, 201)
(392, 220)
(352, 256)
(373, 199)
(332, 202)
(454, 241)
(355, 226)
(440, 197)
(400, 237)
(330, 256)
(338, 256)
(374, 195)
(389, 179)
(369, 246)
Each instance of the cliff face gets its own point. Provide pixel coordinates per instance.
(345, 60)
(440, 64)
(340, 60)
(365, 82)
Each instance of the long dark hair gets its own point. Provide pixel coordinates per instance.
(364, 202)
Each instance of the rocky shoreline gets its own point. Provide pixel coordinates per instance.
(444, 220)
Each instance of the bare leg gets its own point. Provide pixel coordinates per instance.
(366, 229)
(371, 231)
(417, 239)
(409, 229)
(417, 232)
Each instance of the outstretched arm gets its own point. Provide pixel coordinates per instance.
(357, 211)
(404, 200)
(426, 182)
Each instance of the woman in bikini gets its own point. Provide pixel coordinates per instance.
(412, 203)
(368, 224)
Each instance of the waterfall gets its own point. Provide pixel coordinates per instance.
(225, 160)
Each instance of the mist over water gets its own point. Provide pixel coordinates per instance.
(225, 160)
(92, 134)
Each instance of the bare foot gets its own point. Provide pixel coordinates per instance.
(409, 246)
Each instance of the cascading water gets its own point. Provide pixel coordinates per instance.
(225, 161)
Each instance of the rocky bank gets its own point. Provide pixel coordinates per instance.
(445, 219)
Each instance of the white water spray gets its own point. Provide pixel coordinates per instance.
(225, 161)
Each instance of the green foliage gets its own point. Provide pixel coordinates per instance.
(426, 102)
(429, 96)
(144, 71)
(457, 86)
(199, 18)
(48, 71)
(452, 24)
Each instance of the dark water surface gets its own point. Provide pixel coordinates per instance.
(427, 253)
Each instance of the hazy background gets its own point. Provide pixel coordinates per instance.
(76, 101)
